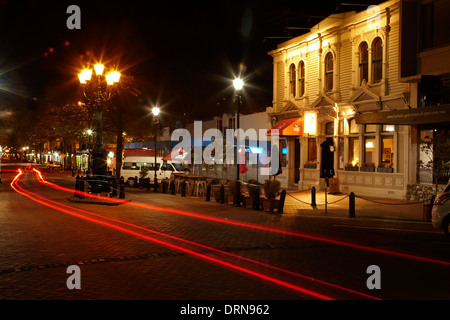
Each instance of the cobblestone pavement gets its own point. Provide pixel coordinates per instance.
(39, 243)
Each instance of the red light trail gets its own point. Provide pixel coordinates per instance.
(196, 244)
(63, 208)
(253, 226)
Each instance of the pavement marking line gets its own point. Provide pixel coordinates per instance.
(383, 228)
(260, 227)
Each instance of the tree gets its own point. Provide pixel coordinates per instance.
(66, 123)
(124, 115)
(437, 151)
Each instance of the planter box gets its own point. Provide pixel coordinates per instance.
(270, 204)
(248, 202)
(229, 198)
(384, 169)
(367, 169)
(351, 168)
(310, 166)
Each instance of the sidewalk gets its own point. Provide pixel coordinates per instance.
(298, 203)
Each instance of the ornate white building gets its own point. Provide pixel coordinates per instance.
(333, 79)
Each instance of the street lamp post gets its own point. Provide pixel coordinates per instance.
(155, 112)
(97, 91)
(238, 84)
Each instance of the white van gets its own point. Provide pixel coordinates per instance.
(131, 167)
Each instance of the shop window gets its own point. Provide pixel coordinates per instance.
(353, 151)
(329, 72)
(292, 77)
(363, 62)
(301, 79)
(369, 151)
(387, 151)
(388, 128)
(377, 60)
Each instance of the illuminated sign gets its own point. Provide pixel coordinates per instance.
(310, 122)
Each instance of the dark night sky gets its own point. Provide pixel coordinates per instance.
(183, 54)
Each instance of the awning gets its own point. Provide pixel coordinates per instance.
(425, 115)
(288, 127)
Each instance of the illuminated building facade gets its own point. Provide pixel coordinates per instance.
(353, 79)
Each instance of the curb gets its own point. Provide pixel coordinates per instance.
(93, 201)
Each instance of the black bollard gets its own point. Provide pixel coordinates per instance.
(77, 186)
(351, 203)
(156, 184)
(222, 193)
(208, 192)
(172, 187)
(114, 188)
(183, 189)
(237, 194)
(282, 199)
(121, 188)
(256, 200)
(81, 188)
(313, 197)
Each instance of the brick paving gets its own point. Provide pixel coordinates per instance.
(38, 245)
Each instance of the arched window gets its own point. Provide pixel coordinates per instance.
(329, 72)
(363, 62)
(377, 60)
(292, 77)
(301, 79)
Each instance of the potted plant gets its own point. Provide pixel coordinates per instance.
(232, 188)
(368, 167)
(271, 191)
(385, 168)
(253, 186)
(351, 167)
(144, 181)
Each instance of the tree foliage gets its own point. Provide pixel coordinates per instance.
(437, 150)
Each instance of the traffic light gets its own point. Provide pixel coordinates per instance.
(327, 161)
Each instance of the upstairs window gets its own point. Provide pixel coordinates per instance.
(301, 79)
(377, 60)
(292, 77)
(329, 72)
(363, 62)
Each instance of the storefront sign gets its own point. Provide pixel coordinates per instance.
(310, 122)
(414, 116)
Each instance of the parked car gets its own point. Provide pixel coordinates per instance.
(440, 214)
(53, 165)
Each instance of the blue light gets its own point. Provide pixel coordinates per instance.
(257, 150)
(284, 151)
